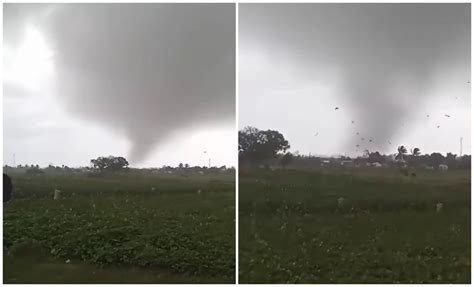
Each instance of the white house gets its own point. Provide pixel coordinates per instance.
(443, 167)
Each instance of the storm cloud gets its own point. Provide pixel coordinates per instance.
(146, 71)
(381, 65)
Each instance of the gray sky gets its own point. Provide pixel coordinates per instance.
(152, 82)
(385, 66)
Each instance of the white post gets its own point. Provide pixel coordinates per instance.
(57, 194)
(340, 202)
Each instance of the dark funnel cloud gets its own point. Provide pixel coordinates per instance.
(148, 71)
(382, 60)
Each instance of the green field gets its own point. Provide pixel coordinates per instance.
(115, 229)
(291, 229)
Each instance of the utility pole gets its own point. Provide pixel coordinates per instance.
(209, 158)
(14, 162)
(460, 147)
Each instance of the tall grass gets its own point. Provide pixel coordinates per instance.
(120, 221)
(292, 230)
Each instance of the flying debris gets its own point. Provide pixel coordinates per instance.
(357, 133)
(389, 142)
(370, 140)
(468, 82)
(337, 108)
(352, 121)
(362, 139)
(357, 145)
(437, 127)
(446, 115)
(427, 116)
(316, 134)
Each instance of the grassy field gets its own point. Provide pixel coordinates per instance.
(115, 229)
(291, 229)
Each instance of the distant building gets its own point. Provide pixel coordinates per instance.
(325, 162)
(347, 163)
(443, 167)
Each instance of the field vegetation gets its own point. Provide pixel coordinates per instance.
(133, 226)
(368, 226)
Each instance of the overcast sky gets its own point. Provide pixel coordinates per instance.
(152, 82)
(394, 71)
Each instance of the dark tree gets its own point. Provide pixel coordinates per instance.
(110, 163)
(34, 170)
(286, 159)
(375, 157)
(402, 150)
(256, 145)
(436, 159)
(465, 162)
(416, 152)
(450, 157)
(99, 163)
(248, 138)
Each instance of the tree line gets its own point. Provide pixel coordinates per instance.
(106, 164)
(266, 147)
